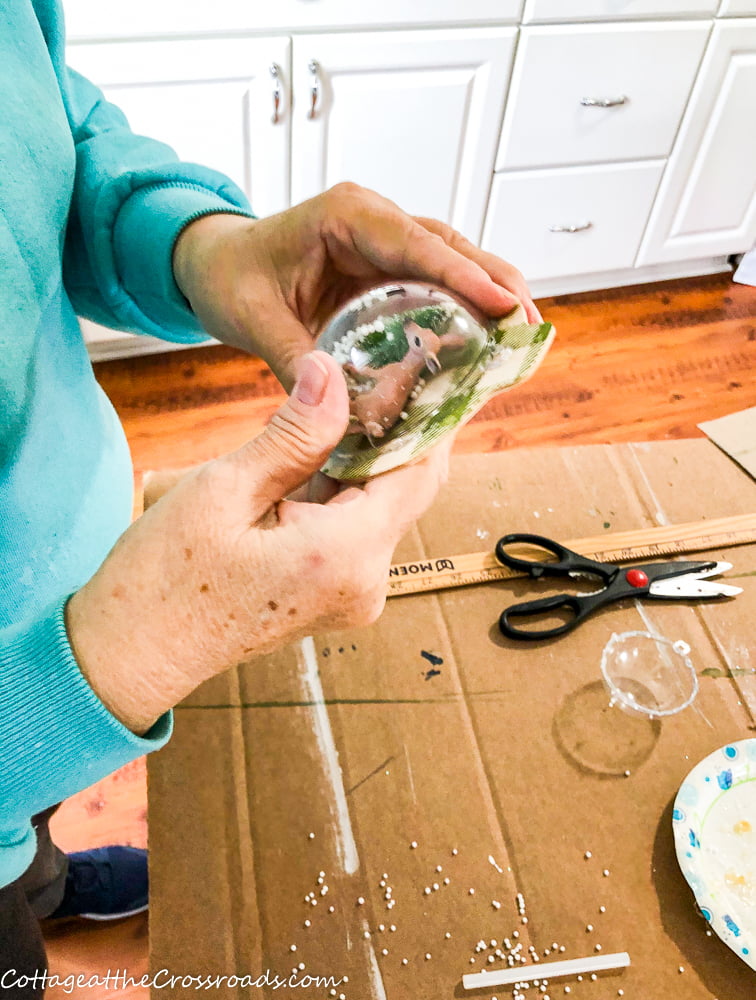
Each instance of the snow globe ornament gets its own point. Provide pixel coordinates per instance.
(419, 361)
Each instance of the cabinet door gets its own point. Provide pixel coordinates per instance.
(412, 115)
(707, 199)
(597, 93)
(735, 8)
(604, 10)
(570, 220)
(211, 100)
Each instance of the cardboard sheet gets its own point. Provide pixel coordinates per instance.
(735, 434)
(338, 754)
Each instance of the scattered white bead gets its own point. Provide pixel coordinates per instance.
(360, 900)
(470, 892)
(392, 927)
(496, 904)
(589, 928)
(427, 956)
(439, 868)
(605, 872)
(602, 909)
(331, 909)
(597, 947)
(310, 836)
(455, 852)
(681, 968)
(293, 948)
(447, 880)
(447, 935)
(307, 923)
(405, 961)
(413, 845)
(384, 951)
(587, 855)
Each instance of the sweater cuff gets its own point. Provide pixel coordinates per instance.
(146, 230)
(58, 736)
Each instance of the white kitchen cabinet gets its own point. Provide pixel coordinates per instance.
(90, 19)
(571, 220)
(707, 198)
(737, 8)
(507, 118)
(596, 93)
(620, 10)
(212, 100)
(413, 115)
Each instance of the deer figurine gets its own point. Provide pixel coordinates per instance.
(378, 395)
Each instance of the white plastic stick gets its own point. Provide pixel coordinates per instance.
(546, 970)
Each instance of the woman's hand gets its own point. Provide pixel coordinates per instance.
(222, 568)
(269, 285)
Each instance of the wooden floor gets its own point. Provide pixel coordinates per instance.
(634, 364)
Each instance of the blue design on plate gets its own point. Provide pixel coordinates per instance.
(678, 815)
(724, 778)
(706, 914)
(731, 752)
(731, 925)
(693, 837)
(688, 794)
(744, 951)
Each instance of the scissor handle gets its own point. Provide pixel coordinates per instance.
(566, 561)
(580, 606)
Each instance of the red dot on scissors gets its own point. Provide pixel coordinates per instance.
(636, 578)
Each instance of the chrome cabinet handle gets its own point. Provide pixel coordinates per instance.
(275, 72)
(604, 102)
(314, 67)
(579, 228)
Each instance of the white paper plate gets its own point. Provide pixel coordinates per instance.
(714, 824)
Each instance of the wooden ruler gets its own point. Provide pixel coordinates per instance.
(621, 546)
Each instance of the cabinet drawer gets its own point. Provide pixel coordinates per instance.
(604, 10)
(734, 8)
(606, 206)
(562, 74)
(92, 19)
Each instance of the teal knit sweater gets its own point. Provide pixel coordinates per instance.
(89, 213)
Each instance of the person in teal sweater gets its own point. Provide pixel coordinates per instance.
(104, 626)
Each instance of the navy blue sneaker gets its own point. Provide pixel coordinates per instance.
(107, 883)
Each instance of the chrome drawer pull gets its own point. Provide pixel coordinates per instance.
(314, 68)
(579, 228)
(603, 102)
(275, 72)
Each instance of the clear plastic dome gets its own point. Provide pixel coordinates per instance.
(418, 361)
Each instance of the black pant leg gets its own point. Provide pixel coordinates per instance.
(23, 960)
(36, 894)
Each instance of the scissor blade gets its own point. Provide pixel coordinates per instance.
(691, 587)
(716, 570)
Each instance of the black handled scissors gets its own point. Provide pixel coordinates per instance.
(662, 580)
